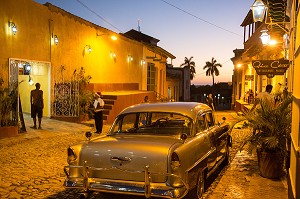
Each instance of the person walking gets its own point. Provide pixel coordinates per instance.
(37, 105)
(98, 112)
(210, 101)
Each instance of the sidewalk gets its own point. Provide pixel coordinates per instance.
(239, 180)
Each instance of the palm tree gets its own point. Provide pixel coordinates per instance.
(191, 65)
(212, 69)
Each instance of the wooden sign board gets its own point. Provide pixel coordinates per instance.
(270, 67)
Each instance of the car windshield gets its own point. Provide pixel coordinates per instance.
(156, 123)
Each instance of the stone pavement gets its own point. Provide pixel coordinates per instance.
(241, 179)
(32, 163)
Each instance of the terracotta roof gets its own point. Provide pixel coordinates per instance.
(149, 42)
(141, 37)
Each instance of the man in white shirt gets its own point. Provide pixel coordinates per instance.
(265, 97)
(98, 112)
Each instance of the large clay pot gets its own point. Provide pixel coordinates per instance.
(270, 164)
(8, 131)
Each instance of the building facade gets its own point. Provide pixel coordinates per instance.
(46, 44)
(253, 65)
(179, 83)
(282, 24)
(294, 82)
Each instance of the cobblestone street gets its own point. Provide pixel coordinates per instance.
(32, 166)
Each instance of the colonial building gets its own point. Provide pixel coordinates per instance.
(257, 65)
(293, 84)
(61, 51)
(179, 83)
(260, 64)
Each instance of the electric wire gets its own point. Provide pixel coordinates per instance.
(200, 18)
(98, 15)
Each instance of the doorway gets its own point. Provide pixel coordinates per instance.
(28, 73)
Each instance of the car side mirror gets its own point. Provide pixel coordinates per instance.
(223, 120)
(88, 135)
(183, 136)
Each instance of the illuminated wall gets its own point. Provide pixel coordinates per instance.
(112, 64)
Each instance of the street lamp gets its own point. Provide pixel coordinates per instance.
(260, 14)
(265, 37)
(258, 10)
(112, 37)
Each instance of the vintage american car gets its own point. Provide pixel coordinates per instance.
(165, 150)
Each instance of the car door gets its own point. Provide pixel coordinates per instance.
(220, 137)
(209, 120)
(204, 126)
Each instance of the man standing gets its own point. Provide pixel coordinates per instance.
(37, 105)
(98, 112)
(265, 97)
(210, 101)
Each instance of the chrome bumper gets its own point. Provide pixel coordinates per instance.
(146, 188)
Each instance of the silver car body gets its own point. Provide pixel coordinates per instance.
(142, 155)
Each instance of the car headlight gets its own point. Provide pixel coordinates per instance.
(71, 155)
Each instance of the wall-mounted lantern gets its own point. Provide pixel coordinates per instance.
(55, 39)
(265, 37)
(113, 55)
(143, 62)
(26, 68)
(88, 48)
(13, 27)
(129, 58)
(113, 37)
(30, 81)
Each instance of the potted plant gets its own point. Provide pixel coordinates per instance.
(86, 97)
(271, 127)
(8, 109)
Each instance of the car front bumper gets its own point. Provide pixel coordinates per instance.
(146, 188)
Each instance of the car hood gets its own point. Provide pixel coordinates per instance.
(125, 157)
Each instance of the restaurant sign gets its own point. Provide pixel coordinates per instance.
(270, 67)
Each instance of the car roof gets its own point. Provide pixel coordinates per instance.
(190, 109)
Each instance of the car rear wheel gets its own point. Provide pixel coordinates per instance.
(200, 187)
(227, 156)
(198, 191)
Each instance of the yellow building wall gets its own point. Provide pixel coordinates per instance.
(38, 25)
(34, 40)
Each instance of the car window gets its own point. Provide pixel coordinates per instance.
(125, 123)
(152, 123)
(209, 119)
(201, 124)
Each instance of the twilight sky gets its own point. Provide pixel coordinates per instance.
(199, 28)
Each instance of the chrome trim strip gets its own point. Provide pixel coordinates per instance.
(120, 159)
(213, 149)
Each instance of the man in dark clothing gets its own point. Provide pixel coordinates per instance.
(37, 105)
(210, 101)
